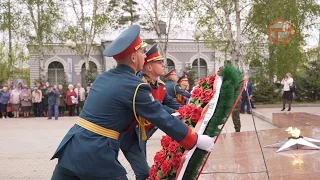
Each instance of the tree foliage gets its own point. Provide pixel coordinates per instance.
(288, 57)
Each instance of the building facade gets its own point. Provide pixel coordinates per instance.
(62, 62)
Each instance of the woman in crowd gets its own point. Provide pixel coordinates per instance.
(71, 97)
(37, 100)
(25, 99)
(62, 96)
(15, 101)
(4, 100)
(287, 95)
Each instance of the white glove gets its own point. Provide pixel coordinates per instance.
(205, 142)
(175, 114)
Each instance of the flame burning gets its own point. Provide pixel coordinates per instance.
(295, 133)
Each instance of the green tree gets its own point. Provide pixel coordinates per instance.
(123, 12)
(162, 17)
(40, 25)
(214, 23)
(288, 57)
(82, 33)
(308, 84)
(10, 26)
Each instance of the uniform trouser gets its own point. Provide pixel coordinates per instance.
(236, 118)
(61, 173)
(137, 159)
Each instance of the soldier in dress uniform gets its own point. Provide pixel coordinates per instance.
(183, 84)
(133, 150)
(89, 151)
(174, 89)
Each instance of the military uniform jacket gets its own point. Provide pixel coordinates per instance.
(131, 136)
(109, 104)
(174, 88)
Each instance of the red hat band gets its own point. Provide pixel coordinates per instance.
(132, 48)
(152, 57)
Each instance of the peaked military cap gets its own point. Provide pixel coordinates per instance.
(171, 72)
(183, 78)
(125, 44)
(153, 54)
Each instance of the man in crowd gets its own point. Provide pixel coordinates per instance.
(81, 94)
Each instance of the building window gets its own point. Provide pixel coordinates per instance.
(93, 73)
(203, 67)
(56, 73)
(170, 64)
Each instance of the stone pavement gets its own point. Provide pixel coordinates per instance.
(266, 113)
(28, 144)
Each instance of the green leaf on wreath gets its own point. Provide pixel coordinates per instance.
(159, 174)
(217, 131)
(192, 101)
(172, 172)
(180, 149)
(188, 121)
(198, 103)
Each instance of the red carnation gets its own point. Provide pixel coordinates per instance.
(202, 80)
(176, 160)
(187, 111)
(196, 93)
(206, 96)
(153, 171)
(181, 111)
(157, 178)
(165, 167)
(195, 116)
(165, 141)
(211, 80)
(160, 157)
(173, 147)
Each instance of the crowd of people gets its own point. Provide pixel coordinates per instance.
(45, 100)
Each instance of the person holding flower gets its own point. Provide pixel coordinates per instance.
(174, 89)
(134, 151)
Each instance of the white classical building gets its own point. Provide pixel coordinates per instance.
(60, 61)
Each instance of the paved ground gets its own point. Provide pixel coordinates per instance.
(28, 144)
(268, 111)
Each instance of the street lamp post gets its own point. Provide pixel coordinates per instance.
(197, 36)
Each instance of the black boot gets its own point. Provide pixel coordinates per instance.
(283, 105)
(289, 106)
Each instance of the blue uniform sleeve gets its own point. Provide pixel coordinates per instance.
(168, 109)
(149, 108)
(183, 93)
(168, 101)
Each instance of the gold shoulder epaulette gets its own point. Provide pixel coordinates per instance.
(161, 82)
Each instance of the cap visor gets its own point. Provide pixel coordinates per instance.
(144, 45)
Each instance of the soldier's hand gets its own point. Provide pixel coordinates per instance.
(205, 143)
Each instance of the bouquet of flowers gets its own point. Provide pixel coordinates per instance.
(168, 161)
